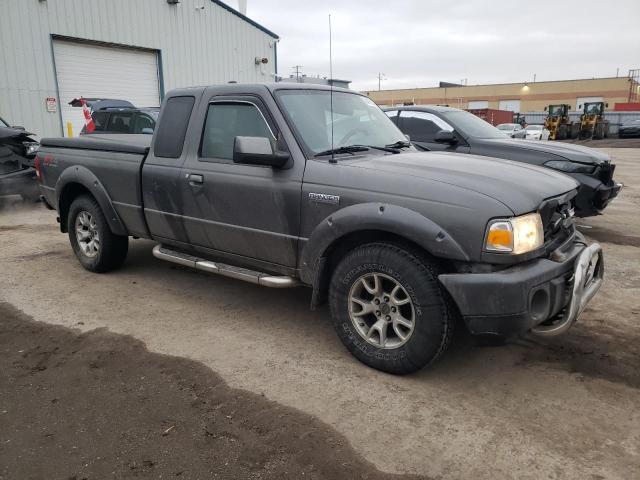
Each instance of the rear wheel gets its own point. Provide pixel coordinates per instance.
(95, 246)
(388, 309)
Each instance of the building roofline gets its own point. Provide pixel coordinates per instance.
(497, 84)
(245, 18)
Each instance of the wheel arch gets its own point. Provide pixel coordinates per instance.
(366, 223)
(76, 181)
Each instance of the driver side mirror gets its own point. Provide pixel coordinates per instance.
(258, 151)
(445, 136)
(18, 127)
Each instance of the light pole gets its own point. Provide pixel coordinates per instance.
(381, 77)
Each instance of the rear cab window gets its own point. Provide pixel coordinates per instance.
(169, 139)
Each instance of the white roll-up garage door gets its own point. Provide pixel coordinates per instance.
(509, 105)
(95, 71)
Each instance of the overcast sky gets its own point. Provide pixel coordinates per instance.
(417, 43)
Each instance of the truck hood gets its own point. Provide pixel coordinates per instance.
(552, 150)
(520, 187)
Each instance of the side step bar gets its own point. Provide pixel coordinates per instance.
(251, 276)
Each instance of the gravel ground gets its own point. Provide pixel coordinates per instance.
(562, 408)
(611, 142)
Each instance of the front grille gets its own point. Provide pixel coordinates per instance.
(557, 221)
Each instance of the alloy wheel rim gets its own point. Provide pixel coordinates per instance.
(87, 234)
(381, 310)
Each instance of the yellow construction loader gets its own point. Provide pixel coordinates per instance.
(558, 123)
(593, 125)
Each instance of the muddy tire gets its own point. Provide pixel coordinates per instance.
(95, 246)
(388, 309)
(562, 132)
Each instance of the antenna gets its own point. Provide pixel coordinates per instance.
(333, 160)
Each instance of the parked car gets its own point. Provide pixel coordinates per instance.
(289, 184)
(118, 116)
(536, 132)
(453, 130)
(17, 153)
(513, 130)
(629, 129)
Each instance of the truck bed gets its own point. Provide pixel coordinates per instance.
(110, 162)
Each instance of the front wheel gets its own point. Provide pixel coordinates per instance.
(96, 247)
(388, 309)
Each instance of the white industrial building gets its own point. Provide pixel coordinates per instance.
(52, 51)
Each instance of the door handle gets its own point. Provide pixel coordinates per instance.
(195, 179)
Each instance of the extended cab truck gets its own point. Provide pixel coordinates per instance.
(285, 185)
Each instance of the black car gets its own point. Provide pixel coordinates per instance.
(629, 129)
(119, 116)
(17, 153)
(453, 130)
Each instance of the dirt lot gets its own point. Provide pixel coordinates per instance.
(611, 142)
(562, 408)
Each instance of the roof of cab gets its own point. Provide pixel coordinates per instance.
(256, 87)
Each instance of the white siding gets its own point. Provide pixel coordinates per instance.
(197, 47)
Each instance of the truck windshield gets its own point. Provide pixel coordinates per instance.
(471, 126)
(356, 120)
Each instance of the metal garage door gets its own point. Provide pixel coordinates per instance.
(510, 105)
(89, 70)
(476, 104)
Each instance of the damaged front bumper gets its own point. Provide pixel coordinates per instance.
(595, 191)
(545, 295)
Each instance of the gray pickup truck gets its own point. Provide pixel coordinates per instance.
(285, 185)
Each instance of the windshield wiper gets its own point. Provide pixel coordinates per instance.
(357, 148)
(344, 149)
(399, 144)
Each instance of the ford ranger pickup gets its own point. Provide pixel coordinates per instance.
(287, 185)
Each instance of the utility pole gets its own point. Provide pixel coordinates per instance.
(381, 77)
(297, 69)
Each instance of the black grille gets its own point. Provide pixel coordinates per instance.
(557, 220)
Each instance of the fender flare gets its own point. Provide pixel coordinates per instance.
(394, 219)
(83, 176)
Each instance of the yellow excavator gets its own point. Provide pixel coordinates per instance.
(558, 123)
(593, 125)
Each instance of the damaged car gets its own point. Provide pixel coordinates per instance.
(450, 129)
(17, 153)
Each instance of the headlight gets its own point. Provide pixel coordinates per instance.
(31, 148)
(515, 235)
(570, 167)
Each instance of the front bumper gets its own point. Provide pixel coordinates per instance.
(545, 295)
(19, 182)
(593, 194)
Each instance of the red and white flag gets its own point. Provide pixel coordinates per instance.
(88, 121)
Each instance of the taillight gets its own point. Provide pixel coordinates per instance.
(36, 165)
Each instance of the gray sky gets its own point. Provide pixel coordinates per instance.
(418, 43)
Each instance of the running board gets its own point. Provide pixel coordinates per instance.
(251, 276)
